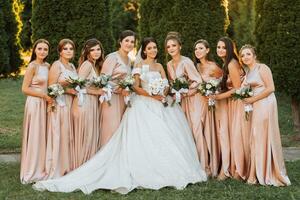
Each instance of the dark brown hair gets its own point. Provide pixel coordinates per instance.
(125, 34)
(206, 44)
(230, 54)
(145, 42)
(33, 54)
(86, 49)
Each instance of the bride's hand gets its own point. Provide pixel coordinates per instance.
(158, 97)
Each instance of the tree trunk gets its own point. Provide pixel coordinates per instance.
(296, 116)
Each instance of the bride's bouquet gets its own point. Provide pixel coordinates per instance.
(179, 86)
(208, 88)
(242, 93)
(102, 81)
(127, 84)
(157, 86)
(55, 91)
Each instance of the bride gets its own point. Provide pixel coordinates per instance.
(152, 148)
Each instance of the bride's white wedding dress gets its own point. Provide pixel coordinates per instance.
(152, 148)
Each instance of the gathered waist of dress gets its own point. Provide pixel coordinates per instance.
(38, 88)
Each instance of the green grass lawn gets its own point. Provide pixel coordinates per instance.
(11, 188)
(12, 108)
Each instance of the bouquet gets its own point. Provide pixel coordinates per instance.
(55, 91)
(78, 84)
(242, 93)
(127, 84)
(179, 86)
(209, 88)
(157, 86)
(102, 81)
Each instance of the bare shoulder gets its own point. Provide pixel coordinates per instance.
(264, 68)
(234, 64)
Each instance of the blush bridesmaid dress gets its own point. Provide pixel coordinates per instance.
(111, 115)
(266, 159)
(34, 129)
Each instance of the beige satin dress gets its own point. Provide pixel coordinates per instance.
(222, 130)
(60, 132)
(85, 120)
(239, 134)
(267, 164)
(111, 115)
(34, 129)
(210, 131)
(192, 106)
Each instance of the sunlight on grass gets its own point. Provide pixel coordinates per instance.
(11, 188)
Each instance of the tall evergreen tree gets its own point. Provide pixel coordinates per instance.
(74, 19)
(124, 16)
(10, 60)
(241, 14)
(277, 34)
(26, 32)
(193, 20)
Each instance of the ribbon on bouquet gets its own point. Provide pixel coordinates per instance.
(178, 93)
(107, 94)
(248, 108)
(80, 95)
(60, 100)
(127, 98)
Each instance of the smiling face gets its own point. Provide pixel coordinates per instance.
(67, 52)
(41, 51)
(95, 52)
(127, 44)
(151, 50)
(248, 57)
(201, 51)
(221, 49)
(173, 47)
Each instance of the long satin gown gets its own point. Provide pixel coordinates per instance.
(152, 148)
(210, 131)
(34, 129)
(86, 121)
(111, 115)
(239, 134)
(222, 130)
(60, 139)
(192, 106)
(267, 163)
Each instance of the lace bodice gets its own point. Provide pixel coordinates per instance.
(146, 76)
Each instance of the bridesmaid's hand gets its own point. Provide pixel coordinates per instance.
(249, 100)
(118, 90)
(191, 92)
(48, 99)
(100, 91)
(125, 93)
(71, 91)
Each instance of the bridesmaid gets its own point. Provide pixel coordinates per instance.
(34, 124)
(267, 164)
(60, 131)
(116, 64)
(239, 128)
(215, 124)
(86, 116)
(181, 66)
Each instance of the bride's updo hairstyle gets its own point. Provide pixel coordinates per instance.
(175, 36)
(144, 44)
